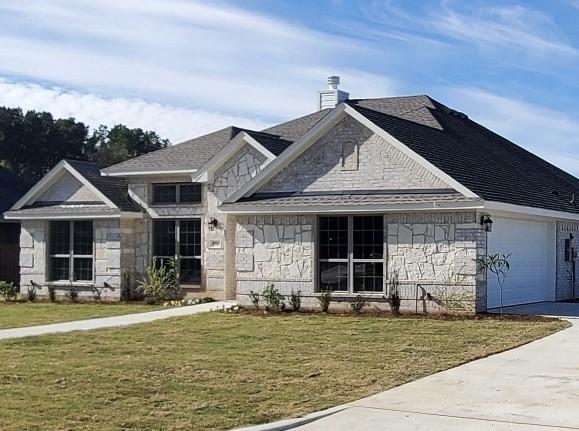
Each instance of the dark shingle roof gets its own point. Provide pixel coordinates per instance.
(116, 189)
(484, 162)
(195, 153)
(12, 188)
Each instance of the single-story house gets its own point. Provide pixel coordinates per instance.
(12, 187)
(360, 197)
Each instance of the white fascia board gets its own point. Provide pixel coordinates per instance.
(500, 208)
(89, 216)
(147, 173)
(410, 153)
(205, 174)
(291, 153)
(354, 209)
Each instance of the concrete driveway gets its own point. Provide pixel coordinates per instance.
(533, 387)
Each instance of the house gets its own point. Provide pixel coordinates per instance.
(360, 197)
(12, 188)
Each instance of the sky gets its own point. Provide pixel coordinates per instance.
(183, 67)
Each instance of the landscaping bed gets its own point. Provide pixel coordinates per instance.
(19, 314)
(219, 371)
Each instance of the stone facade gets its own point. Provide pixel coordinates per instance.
(109, 258)
(433, 255)
(351, 157)
(564, 281)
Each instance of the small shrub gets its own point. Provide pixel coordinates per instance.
(254, 297)
(394, 296)
(72, 295)
(358, 304)
(7, 290)
(31, 293)
(296, 300)
(161, 282)
(52, 293)
(96, 293)
(273, 299)
(325, 298)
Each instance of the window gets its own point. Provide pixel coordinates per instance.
(351, 254)
(71, 251)
(179, 240)
(182, 193)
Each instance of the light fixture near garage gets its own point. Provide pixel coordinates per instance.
(212, 223)
(486, 222)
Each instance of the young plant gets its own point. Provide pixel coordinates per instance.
(52, 293)
(7, 290)
(394, 294)
(273, 299)
(31, 293)
(296, 300)
(358, 304)
(254, 297)
(499, 265)
(72, 295)
(160, 283)
(325, 298)
(96, 293)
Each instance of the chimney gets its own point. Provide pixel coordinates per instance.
(332, 96)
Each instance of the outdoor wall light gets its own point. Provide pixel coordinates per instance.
(212, 223)
(486, 222)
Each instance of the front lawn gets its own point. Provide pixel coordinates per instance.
(15, 314)
(218, 371)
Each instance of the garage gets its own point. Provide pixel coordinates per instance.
(531, 277)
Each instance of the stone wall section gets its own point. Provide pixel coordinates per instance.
(564, 273)
(333, 163)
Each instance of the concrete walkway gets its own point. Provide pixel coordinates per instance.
(115, 321)
(533, 387)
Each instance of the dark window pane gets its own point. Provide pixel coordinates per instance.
(190, 193)
(59, 268)
(190, 270)
(59, 237)
(164, 193)
(368, 277)
(83, 238)
(82, 269)
(333, 276)
(368, 237)
(164, 238)
(333, 238)
(190, 238)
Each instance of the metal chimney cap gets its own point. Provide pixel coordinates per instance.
(333, 82)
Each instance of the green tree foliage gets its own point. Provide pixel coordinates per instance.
(32, 143)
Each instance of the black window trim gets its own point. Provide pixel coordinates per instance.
(70, 255)
(350, 259)
(177, 194)
(177, 255)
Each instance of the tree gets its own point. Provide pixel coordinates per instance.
(499, 265)
(32, 143)
(121, 143)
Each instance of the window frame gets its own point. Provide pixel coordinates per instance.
(71, 256)
(177, 255)
(177, 186)
(351, 261)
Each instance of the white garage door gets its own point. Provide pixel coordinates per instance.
(532, 274)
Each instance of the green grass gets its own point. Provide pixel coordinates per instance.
(218, 371)
(15, 314)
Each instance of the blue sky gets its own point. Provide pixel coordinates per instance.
(183, 67)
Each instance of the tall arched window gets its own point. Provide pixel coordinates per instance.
(350, 156)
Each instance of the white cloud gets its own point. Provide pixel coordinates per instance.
(201, 55)
(550, 134)
(176, 124)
